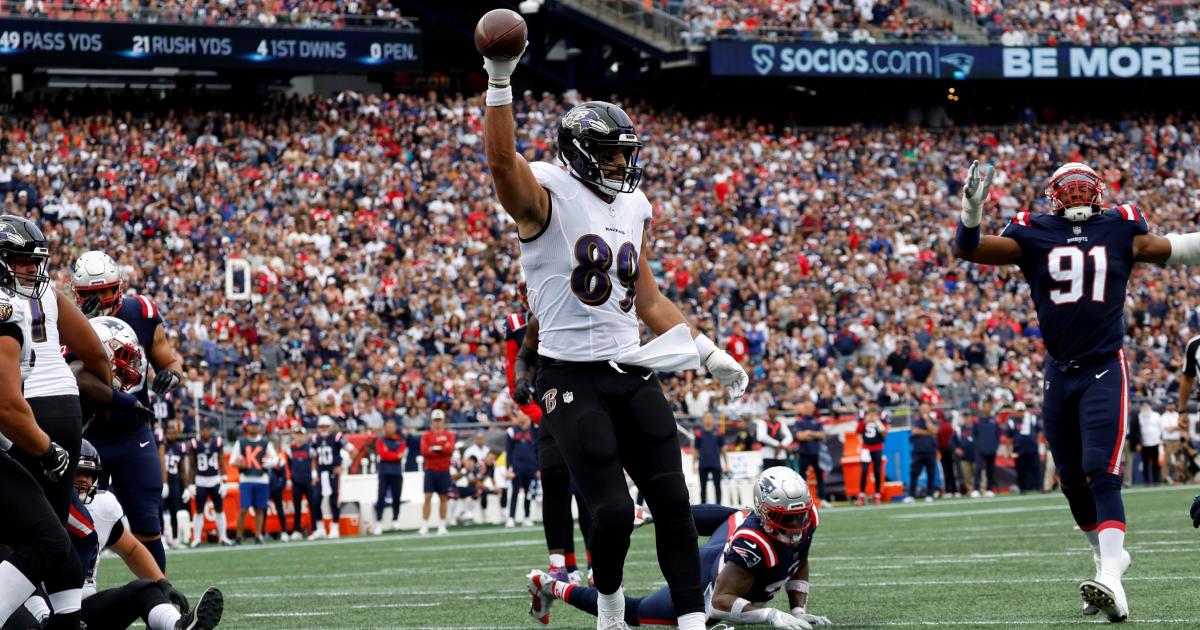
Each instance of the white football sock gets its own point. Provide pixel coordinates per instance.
(1093, 538)
(162, 617)
(558, 561)
(221, 527)
(183, 526)
(692, 621)
(611, 605)
(37, 607)
(67, 602)
(15, 588)
(167, 532)
(1112, 542)
(197, 526)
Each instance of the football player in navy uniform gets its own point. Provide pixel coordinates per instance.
(327, 447)
(1077, 260)
(208, 472)
(749, 557)
(126, 441)
(175, 460)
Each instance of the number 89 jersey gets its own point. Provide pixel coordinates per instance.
(1077, 272)
(581, 270)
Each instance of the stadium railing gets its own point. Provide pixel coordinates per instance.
(86, 13)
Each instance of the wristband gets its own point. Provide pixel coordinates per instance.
(966, 238)
(498, 96)
(797, 586)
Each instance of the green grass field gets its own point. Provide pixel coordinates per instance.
(985, 563)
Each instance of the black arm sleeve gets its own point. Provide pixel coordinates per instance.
(11, 329)
(1189, 356)
(526, 357)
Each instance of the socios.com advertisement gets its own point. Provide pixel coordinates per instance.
(808, 59)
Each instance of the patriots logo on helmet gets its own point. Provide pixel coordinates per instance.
(766, 485)
(582, 118)
(748, 555)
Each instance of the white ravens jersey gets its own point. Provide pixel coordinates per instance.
(106, 512)
(14, 309)
(581, 270)
(51, 375)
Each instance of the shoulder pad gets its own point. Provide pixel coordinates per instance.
(148, 309)
(1129, 212)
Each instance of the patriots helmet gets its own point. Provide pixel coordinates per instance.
(124, 352)
(591, 139)
(783, 504)
(1075, 192)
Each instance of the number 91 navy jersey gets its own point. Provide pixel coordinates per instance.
(1077, 272)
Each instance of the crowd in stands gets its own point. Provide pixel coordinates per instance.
(1006, 22)
(1078, 23)
(383, 270)
(269, 13)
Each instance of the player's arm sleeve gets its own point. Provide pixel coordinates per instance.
(77, 333)
(1189, 359)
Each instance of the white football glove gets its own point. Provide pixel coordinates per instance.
(166, 491)
(975, 192)
(221, 488)
(728, 372)
(499, 71)
(783, 621)
(188, 493)
(816, 620)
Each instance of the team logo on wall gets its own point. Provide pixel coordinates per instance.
(548, 400)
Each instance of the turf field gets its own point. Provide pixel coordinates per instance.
(973, 563)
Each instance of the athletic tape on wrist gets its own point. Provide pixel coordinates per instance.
(498, 96)
(1185, 249)
(797, 586)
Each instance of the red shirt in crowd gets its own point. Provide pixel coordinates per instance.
(440, 459)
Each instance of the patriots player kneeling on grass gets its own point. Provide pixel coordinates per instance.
(749, 556)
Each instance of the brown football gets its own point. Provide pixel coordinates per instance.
(500, 34)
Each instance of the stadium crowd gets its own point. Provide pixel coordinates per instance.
(1105, 23)
(383, 271)
(271, 13)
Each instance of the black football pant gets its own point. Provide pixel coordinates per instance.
(814, 462)
(606, 417)
(60, 417)
(40, 548)
(710, 475)
(985, 464)
(875, 466)
(118, 608)
(948, 471)
(558, 525)
(926, 462)
(1029, 473)
(300, 492)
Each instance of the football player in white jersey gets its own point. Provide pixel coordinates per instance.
(40, 548)
(586, 263)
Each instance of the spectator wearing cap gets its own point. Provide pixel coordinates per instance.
(390, 447)
(923, 439)
(775, 438)
(437, 447)
(986, 434)
(710, 462)
(1024, 430)
(810, 434)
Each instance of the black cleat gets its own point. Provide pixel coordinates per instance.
(207, 612)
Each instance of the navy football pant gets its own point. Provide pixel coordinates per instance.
(1085, 410)
(300, 492)
(985, 464)
(876, 465)
(926, 462)
(522, 482)
(712, 475)
(393, 484)
(135, 477)
(1029, 473)
(209, 494)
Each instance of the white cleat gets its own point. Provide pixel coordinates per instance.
(283, 536)
(509, 524)
(604, 622)
(317, 534)
(333, 532)
(377, 530)
(928, 499)
(528, 522)
(539, 607)
(442, 530)
(989, 494)
(576, 577)
(1106, 594)
(1089, 609)
(424, 531)
(974, 494)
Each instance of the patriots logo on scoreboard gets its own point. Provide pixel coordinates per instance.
(548, 400)
(582, 118)
(748, 555)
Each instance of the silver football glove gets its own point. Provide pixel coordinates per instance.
(729, 373)
(500, 71)
(975, 192)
